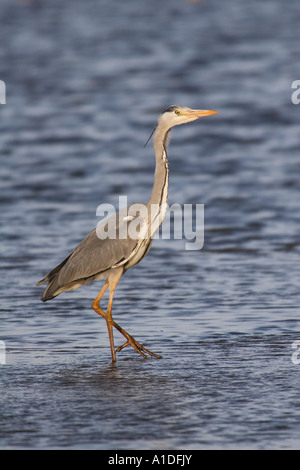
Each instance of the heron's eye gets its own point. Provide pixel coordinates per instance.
(177, 112)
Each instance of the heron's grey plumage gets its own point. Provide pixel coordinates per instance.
(109, 257)
(91, 259)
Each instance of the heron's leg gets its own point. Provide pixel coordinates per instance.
(109, 322)
(130, 341)
(96, 302)
(137, 346)
(107, 316)
(134, 343)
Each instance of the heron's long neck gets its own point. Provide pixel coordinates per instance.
(159, 193)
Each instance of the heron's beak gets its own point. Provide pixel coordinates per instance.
(193, 114)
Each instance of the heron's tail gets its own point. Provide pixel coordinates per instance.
(49, 292)
(53, 287)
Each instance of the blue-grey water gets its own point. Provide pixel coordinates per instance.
(85, 82)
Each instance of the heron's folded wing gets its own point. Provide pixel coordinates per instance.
(95, 253)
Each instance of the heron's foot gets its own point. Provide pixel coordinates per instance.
(138, 347)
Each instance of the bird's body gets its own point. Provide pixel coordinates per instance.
(84, 264)
(128, 236)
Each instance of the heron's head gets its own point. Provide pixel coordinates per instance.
(175, 115)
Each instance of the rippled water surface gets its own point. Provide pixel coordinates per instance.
(85, 82)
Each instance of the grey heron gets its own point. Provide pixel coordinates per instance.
(109, 258)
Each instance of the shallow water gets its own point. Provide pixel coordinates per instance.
(85, 83)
